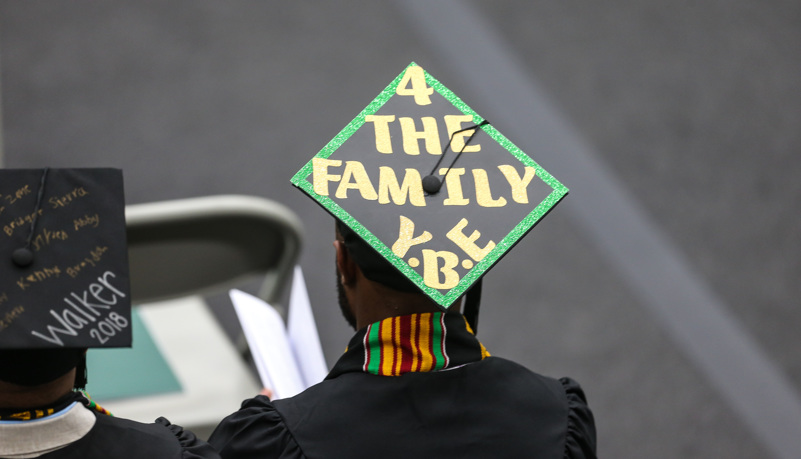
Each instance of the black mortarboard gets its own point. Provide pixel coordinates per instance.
(63, 259)
(431, 186)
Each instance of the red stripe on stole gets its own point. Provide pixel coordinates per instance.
(393, 338)
(406, 341)
(415, 347)
(431, 344)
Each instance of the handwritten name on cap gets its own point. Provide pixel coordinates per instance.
(63, 247)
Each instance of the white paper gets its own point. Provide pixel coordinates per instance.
(267, 338)
(303, 335)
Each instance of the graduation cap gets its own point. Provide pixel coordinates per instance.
(63, 259)
(430, 186)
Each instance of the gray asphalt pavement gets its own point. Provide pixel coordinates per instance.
(691, 112)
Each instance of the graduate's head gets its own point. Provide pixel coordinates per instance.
(374, 266)
(65, 284)
(428, 195)
(35, 367)
(369, 287)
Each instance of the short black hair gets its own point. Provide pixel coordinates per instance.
(33, 367)
(374, 266)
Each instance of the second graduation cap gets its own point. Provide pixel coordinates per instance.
(430, 185)
(63, 259)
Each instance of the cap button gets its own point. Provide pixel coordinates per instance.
(22, 257)
(431, 184)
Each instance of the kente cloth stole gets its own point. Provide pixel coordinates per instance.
(43, 412)
(415, 343)
(28, 415)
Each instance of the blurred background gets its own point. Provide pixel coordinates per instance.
(667, 282)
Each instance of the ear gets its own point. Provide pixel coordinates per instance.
(345, 264)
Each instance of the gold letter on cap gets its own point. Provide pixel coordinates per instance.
(415, 77)
(406, 237)
(411, 136)
(483, 193)
(321, 177)
(383, 142)
(468, 244)
(519, 185)
(355, 170)
(431, 269)
(412, 187)
(453, 183)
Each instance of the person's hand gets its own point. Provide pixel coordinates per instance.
(266, 391)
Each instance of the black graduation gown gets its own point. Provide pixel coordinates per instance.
(473, 407)
(117, 438)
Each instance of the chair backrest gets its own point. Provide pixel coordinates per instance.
(206, 245)
(182, 365)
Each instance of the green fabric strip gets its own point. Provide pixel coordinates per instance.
(373, 345)
(437, 337)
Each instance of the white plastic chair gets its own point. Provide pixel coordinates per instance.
(179, 251)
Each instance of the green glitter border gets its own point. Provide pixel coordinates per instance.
(558, 192)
